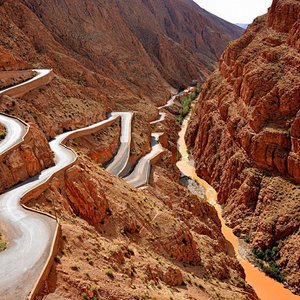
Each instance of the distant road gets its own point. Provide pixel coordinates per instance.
(161, 118)
(171, 101)
(141, 173)
(42, 77)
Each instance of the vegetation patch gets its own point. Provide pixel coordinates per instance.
(2, 134)
(247, 238)
(2, 243)
(186, 103)
(266, 260)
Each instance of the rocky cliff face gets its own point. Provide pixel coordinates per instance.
(26, 160)
(101, 61)
(245, 134)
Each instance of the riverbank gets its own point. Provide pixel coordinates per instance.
(265, 287)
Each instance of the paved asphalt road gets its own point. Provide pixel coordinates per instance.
(140, 174)
(15, 131)
(30, 235)
(119, 164)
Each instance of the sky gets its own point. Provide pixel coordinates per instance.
(236, 11)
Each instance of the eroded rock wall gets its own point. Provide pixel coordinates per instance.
(25, 160)
(245, 133)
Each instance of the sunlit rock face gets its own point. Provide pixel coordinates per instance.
(245, 133)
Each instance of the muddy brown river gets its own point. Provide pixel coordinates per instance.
(265, 287)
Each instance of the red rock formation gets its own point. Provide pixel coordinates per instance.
(246, 130)
(85, 195)
(26, 160)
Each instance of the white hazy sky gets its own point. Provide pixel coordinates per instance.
(236, 11)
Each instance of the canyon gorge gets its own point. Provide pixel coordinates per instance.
(109, 80)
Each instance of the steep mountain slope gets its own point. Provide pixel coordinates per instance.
(119, 242)
(182, 39)
(246, 136)
(100, 62)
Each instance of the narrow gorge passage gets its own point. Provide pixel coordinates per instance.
(265, 287)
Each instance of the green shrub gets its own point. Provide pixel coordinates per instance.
(2, 244)
(198, 89)
(178, 155)
(2, 135)
(266, 260)
(179, 119)
(110, 273)
(274, 271)
(186, 103)
(247, 238)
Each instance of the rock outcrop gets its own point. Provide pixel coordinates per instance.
(245, 133)
(26, 160)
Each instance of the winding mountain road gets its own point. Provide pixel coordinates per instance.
(161, 118)
(30, 235)
(171, 101)
(141, 173)
(15, 132)
(15, 128)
